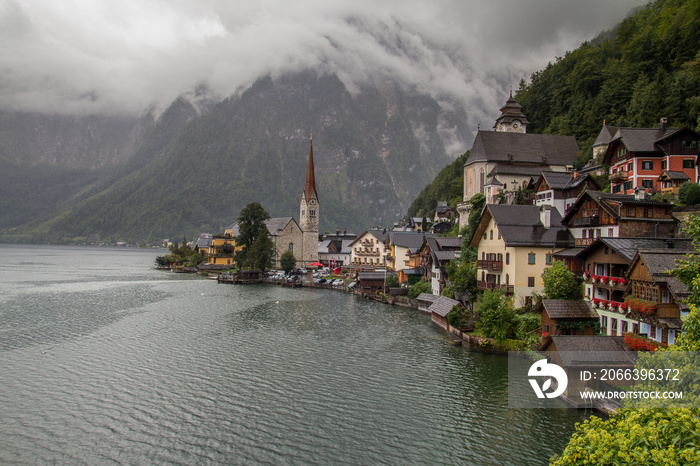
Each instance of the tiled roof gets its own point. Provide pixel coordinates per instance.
(442, 306)
(568, 309)
(531, 169)
(673, 175)
(407, 239)
(628, 247)
(609, 200)
(546, 149)
(427, 297)
(642, 139)
(375, 275)
(659, 262)
(585, 350)
(564, 180)
(520, 226)
(276, 224)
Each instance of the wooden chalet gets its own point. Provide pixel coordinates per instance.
(567, 317)
(561, 189)
(371, 283)
(596, 214)
(649, 280)
(671, 181)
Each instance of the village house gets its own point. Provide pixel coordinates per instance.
(596, 214)
(567, 317)
(509, 158)
(334, 249)
(435, 253)
(638, 156)
(663, 295)
(605, 266)
(370, 283)
(400, 247)
(515, 244)
(368, 249)
(560, 189)
(670, 181)
(444, 213)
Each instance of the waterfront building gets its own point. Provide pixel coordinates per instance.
(368, 249)
(515, 243)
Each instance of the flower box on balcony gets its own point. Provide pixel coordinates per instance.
(642, 306)
(604, 279)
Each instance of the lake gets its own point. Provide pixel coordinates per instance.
(105, 360)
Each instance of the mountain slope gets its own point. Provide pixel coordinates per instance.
(252, 147)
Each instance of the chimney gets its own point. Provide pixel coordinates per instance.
(664, 123)
(575, 175)
(639, 193)
(546, 216)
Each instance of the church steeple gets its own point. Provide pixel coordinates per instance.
(512, 119)
(310, 185)
(309, 206)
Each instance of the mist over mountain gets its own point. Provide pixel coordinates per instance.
(143, 120)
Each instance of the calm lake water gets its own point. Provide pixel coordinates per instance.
(105, 360)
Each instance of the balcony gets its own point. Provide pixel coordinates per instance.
(584, 241)
(585, 222)
(489, 265)
(494, 286)
(619, 176)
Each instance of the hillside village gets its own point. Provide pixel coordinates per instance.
(620, 241)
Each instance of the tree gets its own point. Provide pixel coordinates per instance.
(392, 281)
(251, 225)
(561, 283)
(419, 287)
(689, 193)
(496, 316)
(688, 270)
(288, 261)
(260, 253)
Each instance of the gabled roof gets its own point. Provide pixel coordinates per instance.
(379, 235)
(545, 149)
(567, 309)
(609, 201)
(564, 180)
(204, 240)
(504, 168)
(673, 175)
(628, 247)
(276, 224)
(407, 239)
(640, 140)
(427, 297)
(520, 225)
(443, 249)
(585, 350)
(442, 306)
(658, 262)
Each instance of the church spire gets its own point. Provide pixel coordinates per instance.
(310, 185)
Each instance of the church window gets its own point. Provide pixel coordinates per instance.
(481, 181)
(291, 247)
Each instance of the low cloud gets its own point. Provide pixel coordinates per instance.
(84, 56)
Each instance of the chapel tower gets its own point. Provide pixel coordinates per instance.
(309, 212)
(512, 119)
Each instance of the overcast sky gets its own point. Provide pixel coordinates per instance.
(90, 55)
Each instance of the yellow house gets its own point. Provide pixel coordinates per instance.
(368, 250)
(515, 244)
(400, 246)
(223, 247)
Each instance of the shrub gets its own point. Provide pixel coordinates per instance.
(419, 287)
(689, 193)
(496, 317)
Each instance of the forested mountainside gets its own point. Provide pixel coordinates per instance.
(448, 186)
(647, 68)
(373, 149)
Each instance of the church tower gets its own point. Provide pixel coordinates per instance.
(512, 119)
(309, 213)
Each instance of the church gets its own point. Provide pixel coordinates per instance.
(509, 158)
(300, 238)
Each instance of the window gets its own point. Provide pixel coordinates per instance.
(625, 327)
(507, 279)
(628, 185)
(688, 163)
(604, 322)
(647, 184)
(648, 212)
(507, 258)
(491, 234)
(616, 188)
(597, 233)
(531, 258)
(663, 165)
(647, 165)
(610, 232)
(483, 256)
(665, 298)
(548, 259)
(613, 326)
(499, 234)
(630, 166)
(291, 247)
(485, 235)
(530, 281)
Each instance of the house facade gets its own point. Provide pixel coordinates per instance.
(515, 244)
(368, 249)
(561, 189)
(596, 214)
(435, 253)
(638, 156)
